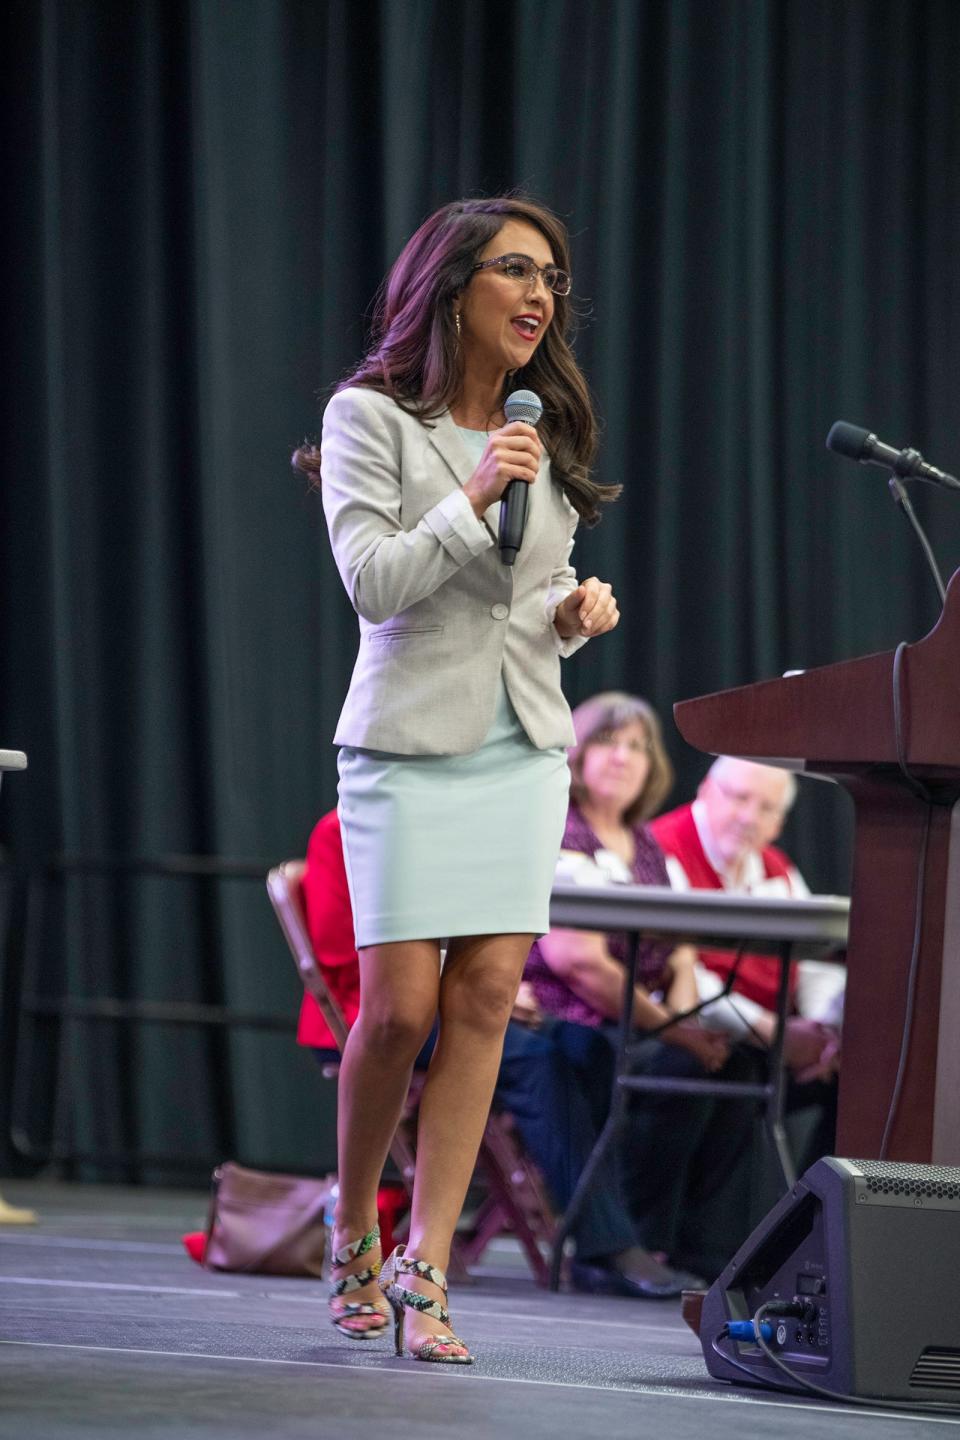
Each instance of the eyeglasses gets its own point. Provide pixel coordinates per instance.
(522, 268)
(609, 740)
(740, 799)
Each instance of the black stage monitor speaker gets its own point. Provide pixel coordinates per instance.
(869, 1252)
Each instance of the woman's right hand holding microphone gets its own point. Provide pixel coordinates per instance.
(512, 453)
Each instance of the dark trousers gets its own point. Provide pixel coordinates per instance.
(819, 1099)
(685, 1158)
(555, 1081)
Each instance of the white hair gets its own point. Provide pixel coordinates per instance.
(790, 793)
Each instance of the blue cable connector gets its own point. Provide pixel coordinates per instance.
(746, 1330)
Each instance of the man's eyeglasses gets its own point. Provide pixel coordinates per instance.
(522, 268)
(741, 799)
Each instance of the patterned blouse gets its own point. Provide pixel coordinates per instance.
(649, 868)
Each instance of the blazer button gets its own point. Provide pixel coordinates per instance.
(499, 612)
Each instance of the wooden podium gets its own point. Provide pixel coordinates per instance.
(841, 721)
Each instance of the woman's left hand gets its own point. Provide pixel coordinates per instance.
(589, 610)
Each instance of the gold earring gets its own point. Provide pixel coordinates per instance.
(457, 320)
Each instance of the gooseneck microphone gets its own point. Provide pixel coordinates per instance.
(858, 444)
(519, 405)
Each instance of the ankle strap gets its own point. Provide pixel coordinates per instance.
(349, 1283)
(357, 1247)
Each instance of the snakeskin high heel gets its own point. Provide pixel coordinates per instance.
(401, 1299)
(347, 1310)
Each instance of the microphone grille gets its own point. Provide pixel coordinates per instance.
(848, 440)
(523, 405)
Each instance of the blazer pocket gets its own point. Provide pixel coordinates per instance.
(404, 632)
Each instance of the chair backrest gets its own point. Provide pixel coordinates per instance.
(285, 888)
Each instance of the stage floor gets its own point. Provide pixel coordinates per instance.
(107, 1328)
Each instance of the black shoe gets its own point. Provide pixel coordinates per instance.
(662, 1283)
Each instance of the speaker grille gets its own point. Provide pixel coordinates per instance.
(937, 1370)
(895, 1177)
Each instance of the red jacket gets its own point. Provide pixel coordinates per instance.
(330, 923)
(758, 976)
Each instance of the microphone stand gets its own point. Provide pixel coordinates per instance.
(901, 498)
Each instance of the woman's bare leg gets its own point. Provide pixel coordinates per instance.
(477, 991)
(399, 986)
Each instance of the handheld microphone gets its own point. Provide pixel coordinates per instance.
(519, 405)
(859, 444)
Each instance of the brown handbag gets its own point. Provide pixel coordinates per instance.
(266, 1224)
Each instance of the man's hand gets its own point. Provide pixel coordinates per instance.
(589, 610)
(810, 1050)
(710, 1047)
(827, 1062)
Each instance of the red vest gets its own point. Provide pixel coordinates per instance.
(758, 976)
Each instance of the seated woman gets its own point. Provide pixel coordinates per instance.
(554, 1079)
(678, 1151)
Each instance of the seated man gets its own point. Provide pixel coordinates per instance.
(724, 841)
(554, 1080)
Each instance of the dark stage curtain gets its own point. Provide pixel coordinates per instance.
(201, 199)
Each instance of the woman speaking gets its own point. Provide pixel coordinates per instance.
(453, 776)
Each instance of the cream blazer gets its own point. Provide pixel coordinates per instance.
(440, 615)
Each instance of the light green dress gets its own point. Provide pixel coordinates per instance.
(443, 845)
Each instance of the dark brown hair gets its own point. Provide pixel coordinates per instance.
(416, 360)
(611, 711)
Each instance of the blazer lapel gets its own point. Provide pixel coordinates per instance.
(446, 441)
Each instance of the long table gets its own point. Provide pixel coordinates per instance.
(764, 924)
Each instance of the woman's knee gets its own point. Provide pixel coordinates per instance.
(481, 1002)
(400, 1030)
(398, 997)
